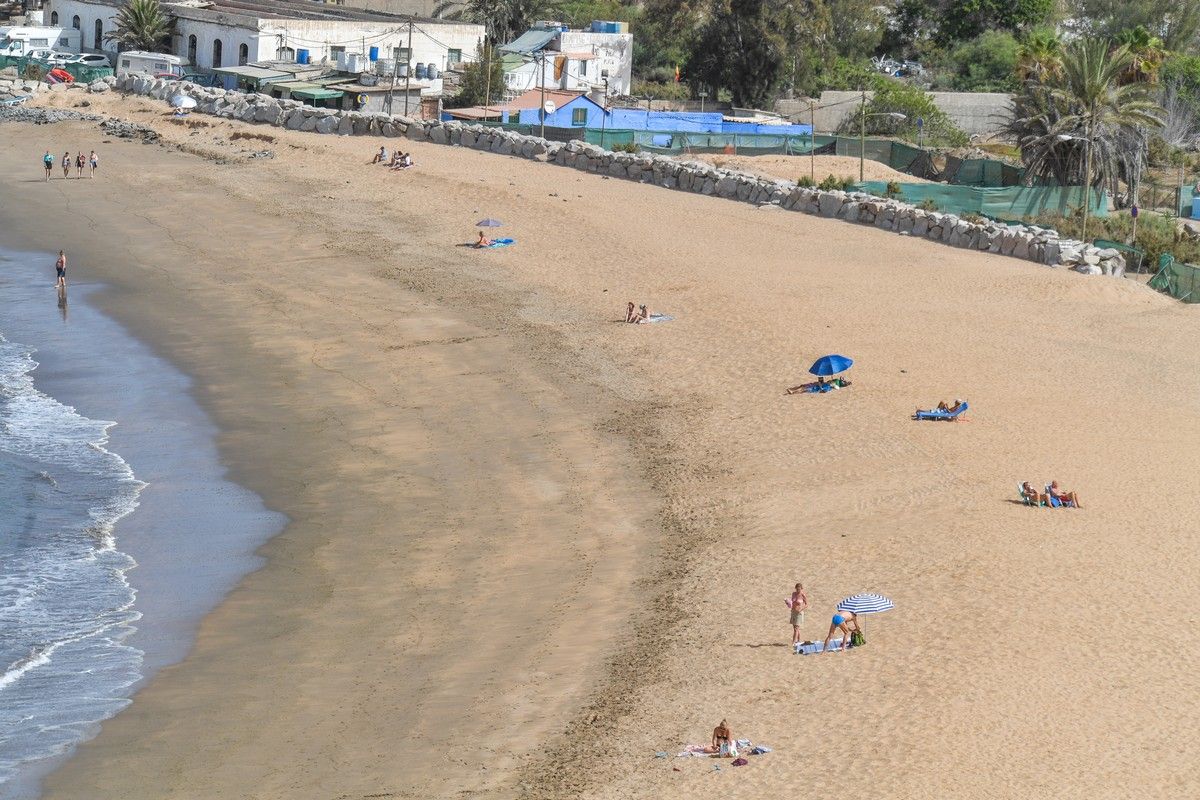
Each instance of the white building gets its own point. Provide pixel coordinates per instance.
(224, 33)
(569, 60)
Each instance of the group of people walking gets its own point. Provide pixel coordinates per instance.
(79, 161)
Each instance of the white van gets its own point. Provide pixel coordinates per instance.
(18, 41)
(140, 63)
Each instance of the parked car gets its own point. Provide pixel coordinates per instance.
(93, 60)
(213, 80)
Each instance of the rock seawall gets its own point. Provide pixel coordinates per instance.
(1018, 241)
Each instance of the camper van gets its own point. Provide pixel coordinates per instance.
(137, 62)
(18, 41)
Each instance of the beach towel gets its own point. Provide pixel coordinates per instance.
(937, 413)
(495, 243)
(658, 318)
(811, 648)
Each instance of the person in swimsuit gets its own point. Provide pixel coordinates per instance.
(1033, 496)
(1062, 497)
(630, 312)
(48, 163)
(797, 603)
(66, 164)
(723, 743)
(60, 268)
(80, 163)
(643, 314)
(847, 624)
(94, 160)
(483, 241)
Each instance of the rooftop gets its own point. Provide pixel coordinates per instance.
(296, 9)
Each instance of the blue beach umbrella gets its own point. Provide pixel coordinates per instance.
(488, 223)
(866, 604)
(830, 365)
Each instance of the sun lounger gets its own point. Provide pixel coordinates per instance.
(1029, 502)
(938, 413)
(1056, 503)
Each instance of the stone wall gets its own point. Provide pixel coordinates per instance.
(1019, 241)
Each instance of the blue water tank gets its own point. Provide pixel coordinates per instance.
(301, 56)
(433, 72)
(374, 53)
(1196, 208)
(422, 73)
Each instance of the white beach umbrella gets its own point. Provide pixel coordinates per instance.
(182, 100)
(866, 604)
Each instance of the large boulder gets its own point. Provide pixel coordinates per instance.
(327, 124)
(829, 203)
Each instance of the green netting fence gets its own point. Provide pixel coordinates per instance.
(1007, 204)
(35, 70)
(1181, 281)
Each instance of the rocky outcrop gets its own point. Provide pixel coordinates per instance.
(1025, 242)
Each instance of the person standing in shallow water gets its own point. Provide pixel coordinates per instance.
(60, 269)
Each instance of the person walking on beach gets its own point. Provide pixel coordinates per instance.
(80, 163)
(94, 160)
(60, 268)
(48, 163)
(797, 603)
(66, 165)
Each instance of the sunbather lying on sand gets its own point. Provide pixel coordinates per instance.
(1067, 498)
(819, 385)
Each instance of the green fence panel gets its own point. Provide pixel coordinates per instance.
(1181, 281)
(1012, 203)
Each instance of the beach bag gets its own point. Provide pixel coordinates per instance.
(857, 639)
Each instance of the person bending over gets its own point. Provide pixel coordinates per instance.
(846, 624)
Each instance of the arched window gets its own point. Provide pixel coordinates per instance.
(53, 17)
(243, 54)
(191, 53)
(99, 35)
(75, 22)
(216, 61)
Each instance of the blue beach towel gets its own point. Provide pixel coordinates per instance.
(500, 243)
(937, 413)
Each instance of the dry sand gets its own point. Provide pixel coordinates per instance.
(414, 407)
(795, 167)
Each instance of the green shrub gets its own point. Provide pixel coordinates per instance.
(624, 147)
(661, 90)
(893, 189)
(805, 182)
(896, 97)
(927, 204)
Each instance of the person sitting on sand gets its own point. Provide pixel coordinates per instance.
(381, 156)
(847, 624)
(723, 743)
(406, 161)
(484, 241)
(643, 314)
(630, 312)
(1033, 496)
(1064, 497)
(797, 603)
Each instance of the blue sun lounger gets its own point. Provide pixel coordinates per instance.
(937, 413)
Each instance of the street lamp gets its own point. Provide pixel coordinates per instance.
(1087, 175)
(862, 133)
(604, 116)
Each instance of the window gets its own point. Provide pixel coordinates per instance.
(335, 51)
(454, 57)
(216, 59)
(402, 54)
(99, 34)
(191, 53)
(39, 42)
(583, 68)
(243, 54)
(579, 117)
(285, 54)
(75, 22)
(53, 17)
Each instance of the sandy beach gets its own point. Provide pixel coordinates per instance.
(530, 547)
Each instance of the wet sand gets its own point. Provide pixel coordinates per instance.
(401, 399)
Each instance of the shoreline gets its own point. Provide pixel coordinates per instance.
(601, 560)
(187, 554)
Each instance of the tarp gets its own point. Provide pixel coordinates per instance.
(1008, 204)
(316, 93)
(1181, 281)
(529, 42)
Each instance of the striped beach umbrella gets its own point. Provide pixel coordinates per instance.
(866, 604)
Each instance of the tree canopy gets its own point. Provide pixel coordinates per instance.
(142, 25)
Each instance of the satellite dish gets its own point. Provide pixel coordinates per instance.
(549, 106)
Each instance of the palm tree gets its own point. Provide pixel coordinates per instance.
(1086, 126)
(1039, 56)
(142, 25)
(504, 20)
(1148, 54)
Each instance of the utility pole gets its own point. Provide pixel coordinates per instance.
(812, 140)
(543, 82)
(392, 91)
(408, 72)
(487, 92)
(862, 137)
(604, 118)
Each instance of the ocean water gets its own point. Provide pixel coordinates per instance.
(66, 606)
(119, 527)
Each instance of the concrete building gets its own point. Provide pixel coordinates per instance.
(569, 60)
(223, 33)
